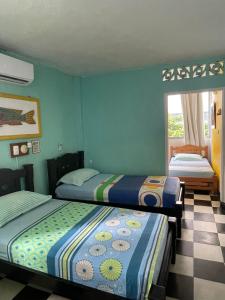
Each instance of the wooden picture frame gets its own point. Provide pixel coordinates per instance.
(19, 117)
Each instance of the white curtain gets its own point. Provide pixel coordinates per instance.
(192, 107)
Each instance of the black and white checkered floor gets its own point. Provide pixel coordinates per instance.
(199, 272)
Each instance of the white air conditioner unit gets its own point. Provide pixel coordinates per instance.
(15, 71)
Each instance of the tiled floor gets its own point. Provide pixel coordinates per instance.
(20, 290)
(199, 272)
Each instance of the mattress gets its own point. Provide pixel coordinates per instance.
(159, 191)
(200, 169)
(112, 249)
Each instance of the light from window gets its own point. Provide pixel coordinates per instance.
(175, 117)
(206, 116)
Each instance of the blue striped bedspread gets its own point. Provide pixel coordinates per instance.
(158, 191)
(111, 249)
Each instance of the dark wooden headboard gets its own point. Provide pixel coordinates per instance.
(10, 180)
(59, 166)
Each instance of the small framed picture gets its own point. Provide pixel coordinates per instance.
(36, 147)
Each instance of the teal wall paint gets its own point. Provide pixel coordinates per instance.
(124, 120)
(60, 104)
(117, 118)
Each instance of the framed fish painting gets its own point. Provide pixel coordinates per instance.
(19, 117)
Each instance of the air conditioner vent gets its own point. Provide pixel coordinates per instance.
(16, 71)
(13, 79)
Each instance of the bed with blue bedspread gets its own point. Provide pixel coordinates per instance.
(115, 250)
(157, 191)
(161, 194)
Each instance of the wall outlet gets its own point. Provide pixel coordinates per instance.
(19, 149)
(36, 147)
(60, 147)
(16, 150)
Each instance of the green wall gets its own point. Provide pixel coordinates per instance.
(59, 96)
(117, 118)
(123, 117)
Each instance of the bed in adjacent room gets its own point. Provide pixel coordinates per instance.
(103, 251)
(190, 163)
(149, 193)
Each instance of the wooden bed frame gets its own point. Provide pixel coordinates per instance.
(58, 167)
(10, 181)
(196, 183)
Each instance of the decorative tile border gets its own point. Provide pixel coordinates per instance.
(199, 70)
(168, 74)
(183, 73)
(194, 71)
(217, 68)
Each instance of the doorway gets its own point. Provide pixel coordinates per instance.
(196, 118)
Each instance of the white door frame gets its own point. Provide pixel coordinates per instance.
(222, 181)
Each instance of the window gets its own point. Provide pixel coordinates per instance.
(175, 117)
(206, 115)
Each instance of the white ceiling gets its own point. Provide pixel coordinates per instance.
(89, 36)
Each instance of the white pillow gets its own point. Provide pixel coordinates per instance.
(78, 177)
(188, 157)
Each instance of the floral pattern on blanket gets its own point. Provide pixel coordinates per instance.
(97, 246)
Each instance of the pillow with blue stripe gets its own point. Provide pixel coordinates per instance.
(15, 204)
